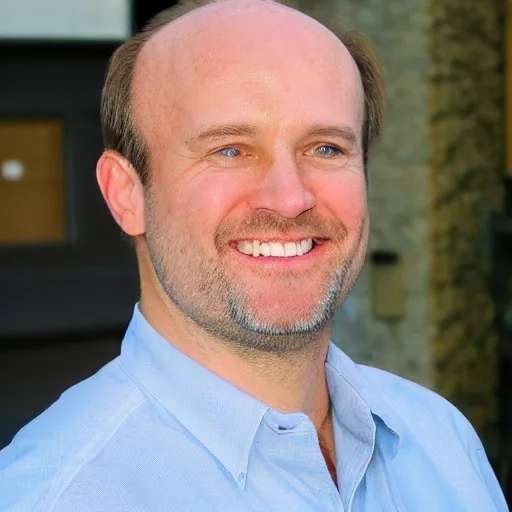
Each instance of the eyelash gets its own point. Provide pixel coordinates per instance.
(337, 150)
(219, 151)
(331, 153)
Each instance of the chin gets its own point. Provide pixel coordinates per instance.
(291, 322)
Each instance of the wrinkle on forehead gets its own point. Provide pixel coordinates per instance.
(228, 40)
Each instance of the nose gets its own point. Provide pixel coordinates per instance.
(283, 190)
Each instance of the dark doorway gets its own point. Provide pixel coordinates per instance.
(502, 293)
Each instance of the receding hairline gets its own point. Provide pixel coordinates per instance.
(167, 35)
(243, 6)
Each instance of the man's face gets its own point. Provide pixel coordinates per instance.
(256, 214)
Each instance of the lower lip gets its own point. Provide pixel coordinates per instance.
(284, 262)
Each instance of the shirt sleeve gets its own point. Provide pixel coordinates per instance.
(484, 469)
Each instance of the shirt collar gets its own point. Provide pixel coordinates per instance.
(340, 366)
(222, 417)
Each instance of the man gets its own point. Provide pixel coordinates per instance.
(237, 136)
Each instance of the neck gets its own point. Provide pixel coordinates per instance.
(289, 383)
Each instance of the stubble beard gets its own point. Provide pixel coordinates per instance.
(203, 292)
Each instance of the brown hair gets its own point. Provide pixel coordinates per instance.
(121, 134)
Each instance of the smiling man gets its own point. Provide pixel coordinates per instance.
(237, 136)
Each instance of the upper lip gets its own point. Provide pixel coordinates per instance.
(278, 238)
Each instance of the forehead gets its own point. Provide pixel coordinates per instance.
(249, 58)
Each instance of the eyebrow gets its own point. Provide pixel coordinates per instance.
(245, 130)
(219, 131)
(342, 132)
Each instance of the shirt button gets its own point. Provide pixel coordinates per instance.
(241, 477)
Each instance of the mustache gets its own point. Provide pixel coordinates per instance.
(307, 223)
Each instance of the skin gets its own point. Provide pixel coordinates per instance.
(280, 171)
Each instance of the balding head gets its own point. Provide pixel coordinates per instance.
(193, 36)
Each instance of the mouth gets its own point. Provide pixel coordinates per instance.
(278, 248)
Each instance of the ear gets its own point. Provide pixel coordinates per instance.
(123, 192)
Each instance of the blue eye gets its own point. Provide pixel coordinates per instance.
(326, 151)
(229, 152)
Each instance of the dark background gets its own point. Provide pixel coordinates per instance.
(64, 307)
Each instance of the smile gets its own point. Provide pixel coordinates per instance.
(275, 248)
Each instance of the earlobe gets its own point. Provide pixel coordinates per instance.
(122, 191)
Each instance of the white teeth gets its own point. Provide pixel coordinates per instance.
(307, 245)
(276, 249)
(265, 249)
(245, 247)
(290, 249)
(256, 248)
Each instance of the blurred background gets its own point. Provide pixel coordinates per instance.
(434, 301)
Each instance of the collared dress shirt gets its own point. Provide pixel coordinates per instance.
(155, 431)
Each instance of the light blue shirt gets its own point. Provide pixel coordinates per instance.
(155, 431)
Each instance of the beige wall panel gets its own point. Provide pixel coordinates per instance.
(32, 201)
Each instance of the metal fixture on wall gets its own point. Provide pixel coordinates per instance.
(388, 285)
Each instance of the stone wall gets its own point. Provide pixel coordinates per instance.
(466, 164)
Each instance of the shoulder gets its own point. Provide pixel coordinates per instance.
(421, 411)
(417, 406)
(402, 393)
(46, 454)
(435, 428)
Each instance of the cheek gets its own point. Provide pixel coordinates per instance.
(204, 202)
(346, 199)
